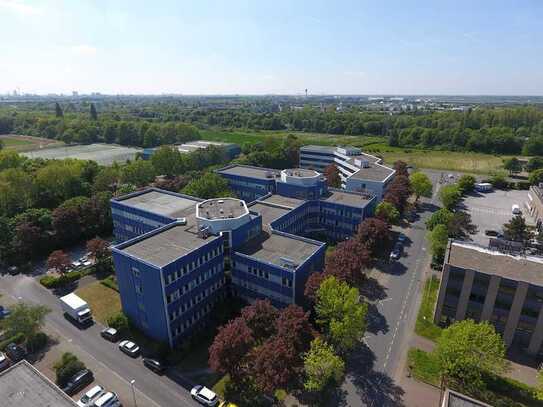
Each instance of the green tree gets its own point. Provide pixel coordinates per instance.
(539, 391)
(58, 110)
(439, 217)
(139, 173)
(498, 180)
(421, 185)
(341, 314)
(66, 367)
(167, 161)
(466, 350)
(466, 183)
(210, 185)
(25, 319)
(513, 165)
(387, 212)
(450, 196)
(517, 230)
(535, 163)
(120, 322)
(322, 366)
(93, 113)
(536, 177)
(439, 237)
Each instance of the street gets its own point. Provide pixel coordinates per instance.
(151, 390)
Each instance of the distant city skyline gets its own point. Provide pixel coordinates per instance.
(254, 48)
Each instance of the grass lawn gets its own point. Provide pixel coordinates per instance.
(425, 323)
(14, 142)
(103, 301)
(423, 366)
(474, 163)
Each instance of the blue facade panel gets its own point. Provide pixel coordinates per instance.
(302, 192)
(247, 231)
(130, 222)
(249, 189)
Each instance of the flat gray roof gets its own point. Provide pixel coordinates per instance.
(162, 248)
(374, 172)
(269, 212)
(271, 247)
(346, 198)
(248, 171)
(23, 386)
(455, 399)
(283, 201)
(219, 208)
(162, 203)
(478, 258)
(364, 156)
(323, 149)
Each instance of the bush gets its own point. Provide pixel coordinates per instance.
(110, 282)
(37, 342)
(66, 367)
(48, 281)
(466, 183)
(119, 322)
(61, 281)
(17, 338)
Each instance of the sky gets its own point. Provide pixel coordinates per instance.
(474, 47)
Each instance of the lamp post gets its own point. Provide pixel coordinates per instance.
(133, 392)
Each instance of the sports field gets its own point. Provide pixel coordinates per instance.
(104, 154)
(27, 143)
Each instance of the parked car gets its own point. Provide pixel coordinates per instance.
(402, 238)
(4, 361)
(78, 381)
(76, 264)
(396, 253)
(130, 348)
(204, 396)
(154, 365)
(108, 399)
(15, 352)
(89, 397)
(111, 334)
(13, 270)
(491, 233)
(4, 312)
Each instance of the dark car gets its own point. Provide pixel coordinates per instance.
(491, 233)
(111, 334)
(13, 270)
(4, 312)
(15, 352)
(154, 365)
(78, 381)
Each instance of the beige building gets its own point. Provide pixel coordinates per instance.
(487, 285)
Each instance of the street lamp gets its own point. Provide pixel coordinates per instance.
(133, 391)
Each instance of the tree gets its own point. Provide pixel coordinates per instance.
(274, 364)
(322, 366)
(312, 285)
(120, 322)
(401, 168)
(513, 165)
(260, 317)
(539, 391)
(387, 212)
(333, 179)
(59, 261)
(58, 110)
(460, 225)
(230, 347)
(421, 185)
(439, 237)
(25, 319)
(340, 313)
(536, 177)
(93, 113)
(167, 161)
(294, 326)
(534, 163)
(398, 192)
(374, 235)
(99, 250)
(139, 173)
(66, 367)
(498, 180)
(517, 230)
(67, 224)
(466, 183)
(348, 261)
(466, 350)
(210, 185)
(450, 196)
(440, 217)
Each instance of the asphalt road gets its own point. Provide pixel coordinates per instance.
(151, 390)
(371, 372)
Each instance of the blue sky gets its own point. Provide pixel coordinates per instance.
(280, 46)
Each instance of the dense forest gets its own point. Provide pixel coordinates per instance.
(497, 130)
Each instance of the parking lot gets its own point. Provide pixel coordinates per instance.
(490, 210)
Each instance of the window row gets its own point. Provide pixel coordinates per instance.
(188, 305)
(191, 285)
(191, 266)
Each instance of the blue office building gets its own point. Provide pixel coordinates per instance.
(178, 255)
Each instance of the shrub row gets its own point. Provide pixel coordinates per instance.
(110, 282)
(61, 281)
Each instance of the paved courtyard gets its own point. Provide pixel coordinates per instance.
(490, 210)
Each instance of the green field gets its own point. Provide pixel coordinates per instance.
(12, 142)
(425, 322)
(27, 143)
(474, 163)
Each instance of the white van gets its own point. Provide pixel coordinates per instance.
(515, 210)
(109, 399)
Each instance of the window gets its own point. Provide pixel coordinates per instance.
(139, 289)
(136, 272)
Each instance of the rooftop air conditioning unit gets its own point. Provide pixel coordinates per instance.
(365, 164)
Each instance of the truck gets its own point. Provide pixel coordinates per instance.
(76, 308)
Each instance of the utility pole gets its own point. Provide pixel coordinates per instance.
(132, 382)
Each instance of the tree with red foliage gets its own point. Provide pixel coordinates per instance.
(275, 364)
(67, 224)
(348, 261)
(227, 354)
(28, 242)
(374, 235)
(312, 285)
(401, 168)
(294, 327)
(398, 192)
(260, 317)
(98, 248)
(59, 261)
(333, 179)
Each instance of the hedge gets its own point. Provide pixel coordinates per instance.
(110, 282)
(65, 279)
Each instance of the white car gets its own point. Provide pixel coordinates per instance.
(108, 399)
(89, 397)
(4, 361)
(130, 348)
(205, 396)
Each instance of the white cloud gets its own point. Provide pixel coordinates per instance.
(19, 7)
(84, 50)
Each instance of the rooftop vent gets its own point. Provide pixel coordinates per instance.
(221, 201)
(365, 164)
(288, 263)
(269, 174)
(203, 232)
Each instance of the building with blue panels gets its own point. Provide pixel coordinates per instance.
(250, 183)
(179, 255)
(358, 171)
(232, 150)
